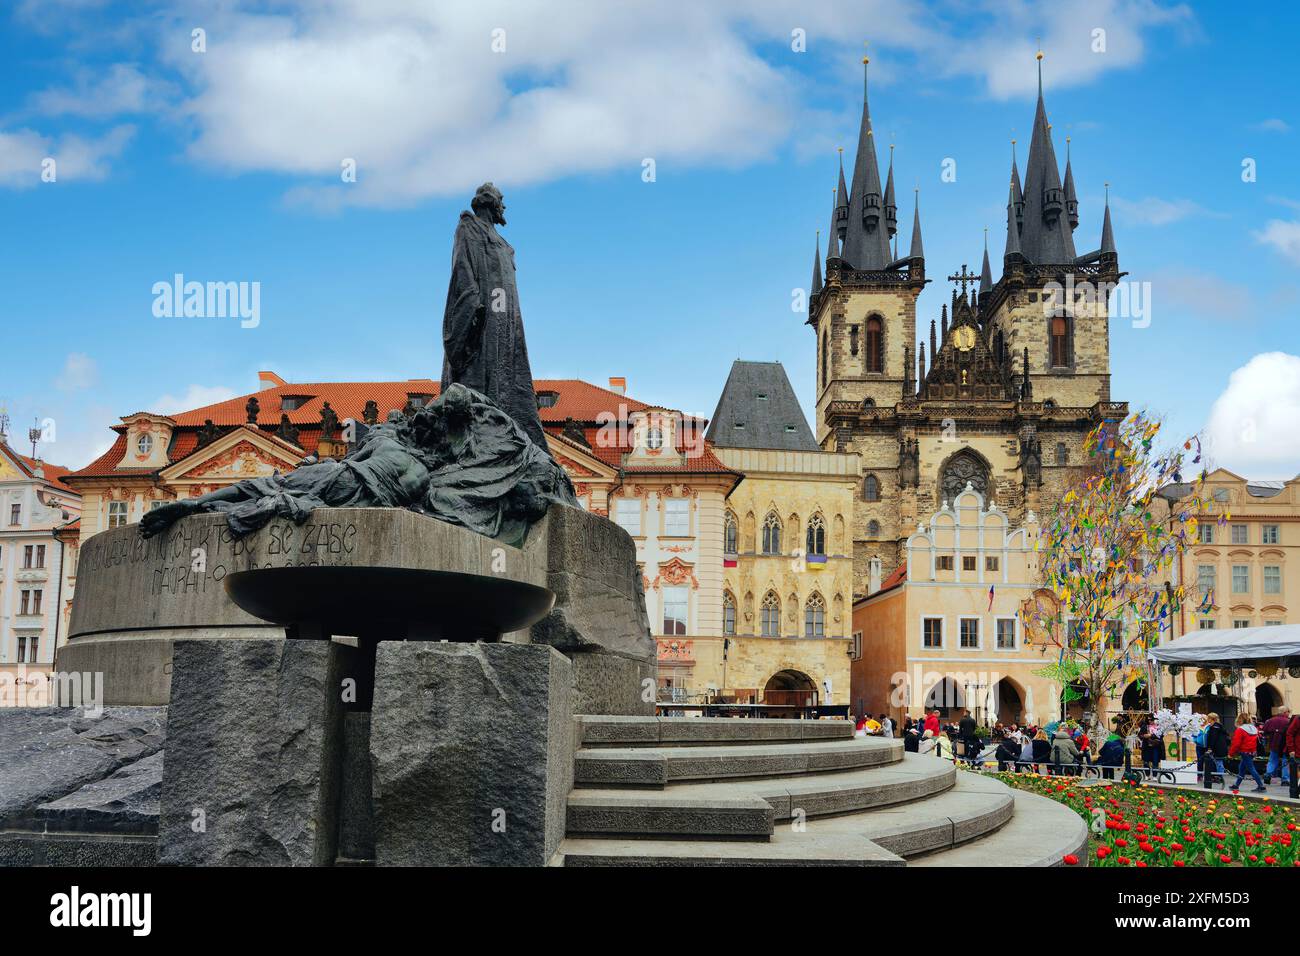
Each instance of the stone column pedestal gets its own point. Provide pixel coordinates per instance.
(472, 751)
(254, 753)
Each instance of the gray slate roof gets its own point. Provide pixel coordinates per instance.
(758, 409)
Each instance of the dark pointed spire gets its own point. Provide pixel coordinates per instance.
(866, 241)
(1071, 200)
(817, 268)
(1045, 236)
(934, 344)
(1107, 236)
(1013, 233)
(943, 318)
(1017, 197)
(891, 207)
(986, 274)
(918, 251)
(921, 375)
(832, 246)
(841, 217)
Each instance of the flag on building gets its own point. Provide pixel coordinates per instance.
(815, 562)
(990, 607)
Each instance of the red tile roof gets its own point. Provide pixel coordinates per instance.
(576, 399)
(54, 474)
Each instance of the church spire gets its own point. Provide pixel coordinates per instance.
(1045, 236)
(1013, 233)
(841, 216)
(832, 247)
(866, 242)
(934, 343)
(918, 251)
(1107, 236)
(817, 268)
(986, 274)
(1071, 200)
(891, 207)
(1017, 197)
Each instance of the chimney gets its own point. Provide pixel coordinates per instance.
(873, 576)
(267, 380)
(618, 385)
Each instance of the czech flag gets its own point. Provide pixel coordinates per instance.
(728, 562)
(990, 607)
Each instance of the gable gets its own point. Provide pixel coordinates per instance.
(241, 453)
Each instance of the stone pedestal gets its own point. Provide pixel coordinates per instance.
(254, 745)
(472, 749)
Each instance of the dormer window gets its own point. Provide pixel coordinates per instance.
(654, 439)
(547, 399)
(144, 444)
(291, 403)
(418, 399)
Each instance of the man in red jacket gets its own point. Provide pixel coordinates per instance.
(1244, 743)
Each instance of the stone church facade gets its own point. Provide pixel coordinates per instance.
(1003, 387)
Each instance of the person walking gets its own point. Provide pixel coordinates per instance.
(1111, 755)
(966, 731)
(932, 723)
(1245, 742)
(1274, 731)
(1216, 748)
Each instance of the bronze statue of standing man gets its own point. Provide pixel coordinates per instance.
(483, 328)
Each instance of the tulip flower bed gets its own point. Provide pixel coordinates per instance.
(1153, 826)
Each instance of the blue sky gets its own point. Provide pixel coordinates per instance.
(224, 165)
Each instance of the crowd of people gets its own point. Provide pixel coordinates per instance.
(1277, 742)
(1063, 747)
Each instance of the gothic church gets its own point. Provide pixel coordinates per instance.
(1011, 380)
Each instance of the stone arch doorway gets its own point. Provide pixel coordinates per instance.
(946, 697)
(1135, 697)
(1007, 702)
(790, 687)
(1267, 699)
(1219, 700)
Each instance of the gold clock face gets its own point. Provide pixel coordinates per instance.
(964, 338)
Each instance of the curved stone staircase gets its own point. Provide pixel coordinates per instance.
(684, 791)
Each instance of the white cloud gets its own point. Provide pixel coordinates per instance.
(123, 88)
(1252, 426)
(195, 396)
(1283, 235)
(79, 371)
(23, 151)
(414, 93)
(1272, 125)
(1153, 211)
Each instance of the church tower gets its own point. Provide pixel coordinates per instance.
(864, 313)
(1002, 388)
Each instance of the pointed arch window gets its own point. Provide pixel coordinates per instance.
(873, 529)
(770, 619)
(816, 543)
(875, 345)
(728, 614)
(871, 488)
(771, 534)
(1060, 336)
(814, 616)
(730, 534)
(1062, 456)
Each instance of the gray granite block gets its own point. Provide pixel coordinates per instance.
(254, 753)
(126, 802)
(472, 753)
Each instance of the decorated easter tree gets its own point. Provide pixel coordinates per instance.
(1107, 556)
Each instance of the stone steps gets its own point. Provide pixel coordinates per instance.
(1040, 833)
(658, 766)
(784, 849)
(751, 808)
(704, 731)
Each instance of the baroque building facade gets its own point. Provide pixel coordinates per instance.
(1001, 392)
(36, 568)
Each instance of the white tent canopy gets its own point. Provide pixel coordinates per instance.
(1235, 644)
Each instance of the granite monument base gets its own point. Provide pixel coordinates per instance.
(471, 750)
(251, 774)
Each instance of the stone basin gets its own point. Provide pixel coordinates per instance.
(387, 603)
